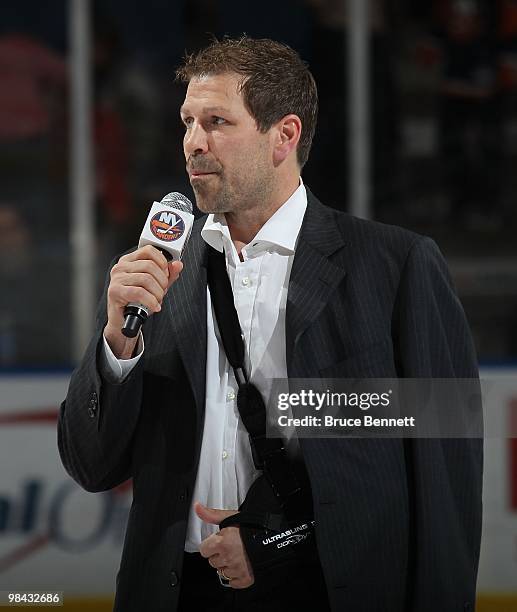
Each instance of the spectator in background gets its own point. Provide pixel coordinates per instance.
(507, 42)
(33, 77)
(468, 122)
(111, 144)
(129, 138)
(32, 117)
(330, 34)
(507, 100)
(33, 203)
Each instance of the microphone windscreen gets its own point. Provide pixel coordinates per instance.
(178, 201)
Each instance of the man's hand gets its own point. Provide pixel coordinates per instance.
(224, 550)
(143, 277)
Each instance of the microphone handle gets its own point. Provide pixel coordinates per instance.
(135, 315)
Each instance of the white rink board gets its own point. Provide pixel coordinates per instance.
(55, 536)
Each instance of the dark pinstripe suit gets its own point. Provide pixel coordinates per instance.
(398, 522)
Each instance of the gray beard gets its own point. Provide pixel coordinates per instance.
(225, 201)
(221, 203)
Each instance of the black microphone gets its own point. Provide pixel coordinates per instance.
(167, 228)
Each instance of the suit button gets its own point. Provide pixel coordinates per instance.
(183, 495)
(174, 579)
(467, 607)
(94, 402)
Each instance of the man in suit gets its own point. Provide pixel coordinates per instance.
(318, 294)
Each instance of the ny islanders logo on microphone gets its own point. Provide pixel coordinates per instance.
(167, 226)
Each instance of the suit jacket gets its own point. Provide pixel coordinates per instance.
(398, 521)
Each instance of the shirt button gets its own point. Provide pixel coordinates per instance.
(230, 396)
(246, 281)
(225, 454)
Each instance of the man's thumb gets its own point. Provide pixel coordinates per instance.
(211, 515)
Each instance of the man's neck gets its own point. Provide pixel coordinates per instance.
(244, 225)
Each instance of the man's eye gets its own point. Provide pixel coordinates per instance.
(187, 122)
(218, 120)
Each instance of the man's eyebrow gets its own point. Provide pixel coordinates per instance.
(206, 109)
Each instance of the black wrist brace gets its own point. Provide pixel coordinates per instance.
(274, 543)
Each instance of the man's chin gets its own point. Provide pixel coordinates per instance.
(207, 204)
(202, 198)
(202, 201)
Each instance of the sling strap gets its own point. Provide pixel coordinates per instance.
(269, 454)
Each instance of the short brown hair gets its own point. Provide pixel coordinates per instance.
(275, 81)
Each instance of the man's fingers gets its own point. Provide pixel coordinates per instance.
(212, 516)
(235, 571)
(241, 583)
(145, 266)
(210, 546)
(207, 515)
(224, 550)
(142, 281)
(217, 561)
(136, 295)
(145, 281)
(146, 252)
(238, 574)
(175, 268)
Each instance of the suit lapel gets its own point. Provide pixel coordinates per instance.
(186, 312)
(314, 277)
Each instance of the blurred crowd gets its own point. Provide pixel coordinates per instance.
(444, 134)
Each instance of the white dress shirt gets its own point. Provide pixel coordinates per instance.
(260, 283)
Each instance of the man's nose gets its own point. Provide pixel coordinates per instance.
(196, 140)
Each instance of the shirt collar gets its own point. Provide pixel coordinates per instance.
(280, 230)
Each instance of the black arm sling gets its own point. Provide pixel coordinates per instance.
(276, 518)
